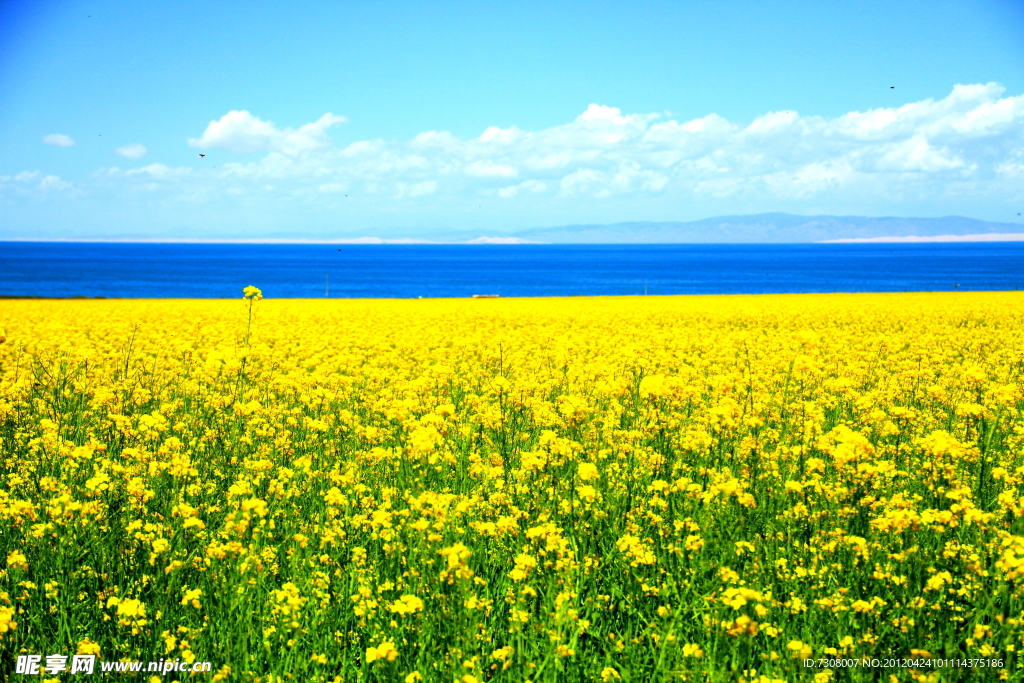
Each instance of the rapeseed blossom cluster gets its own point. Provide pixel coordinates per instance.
(656, 488)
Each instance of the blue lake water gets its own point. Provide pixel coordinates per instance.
(62, 269)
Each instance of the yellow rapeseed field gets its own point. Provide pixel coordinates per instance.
(641, 489)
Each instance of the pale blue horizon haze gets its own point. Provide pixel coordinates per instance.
(325, 120)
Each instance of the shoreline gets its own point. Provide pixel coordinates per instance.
(61, 298)
(13, 297)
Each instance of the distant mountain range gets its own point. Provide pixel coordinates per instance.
(753, 229)
(777, 227)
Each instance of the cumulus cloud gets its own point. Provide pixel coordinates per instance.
(242, 133)
(485, 168)
(968, 144)
(52, 182)
(525, 186)
(974, 135)
(1011, 169)
(58, 139)
(131, 151)
(160, 172)
(33, 183)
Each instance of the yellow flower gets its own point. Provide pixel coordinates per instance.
(192, 597)
(87, 647)
(7, 622)
(456, 554)
(407, 604)
(799, 649)
(17, 560)
(652, 385)
(527, 437)
(288, 600)
(255, 505)
(587, 471)
(692, 650)
(861, 606)
(386, 650)
(130, 608)
(502, 653)
(524, 563)
(334, 496)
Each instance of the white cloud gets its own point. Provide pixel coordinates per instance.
(810, 179)
(973, 134)
(131, 151)
(546, 162)
(917, 154)
(52, 182)
(583, 181)
(499, 136)
(33, 183)
(964, 149)
(1010, 169)
(58, 139)
(525, 186)
(160, 172)
(486, 168)
(955, 146)
(241, 132)
(433, 139)
(773, 123)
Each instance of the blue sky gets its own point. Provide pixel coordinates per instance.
(415, 119)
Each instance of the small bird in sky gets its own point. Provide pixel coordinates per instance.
(202, 155)
(892, 87)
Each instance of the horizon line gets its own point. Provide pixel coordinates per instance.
(982, 237)
(268, 240)
(504, 241)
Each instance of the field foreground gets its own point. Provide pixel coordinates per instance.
(636, 489)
